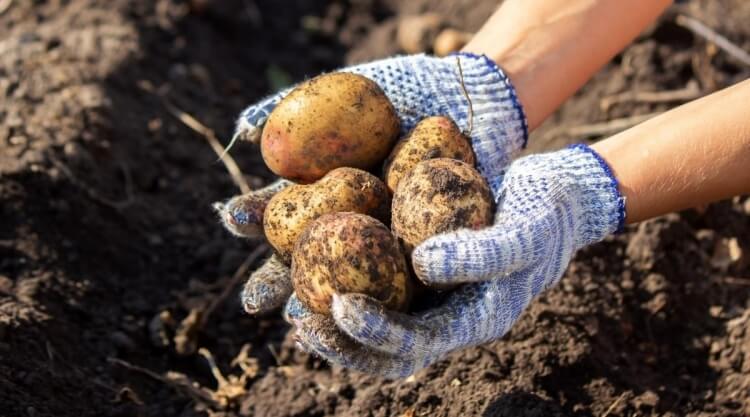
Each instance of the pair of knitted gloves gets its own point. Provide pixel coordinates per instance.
(548, 206)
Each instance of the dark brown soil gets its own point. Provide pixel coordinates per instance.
(107, 239)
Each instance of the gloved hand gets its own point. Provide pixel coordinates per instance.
(418, 86)
(548, 206)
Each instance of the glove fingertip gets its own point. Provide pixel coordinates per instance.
(251, 120)
(435, 258)
(247, 130)
(295, 311)
(353, 312)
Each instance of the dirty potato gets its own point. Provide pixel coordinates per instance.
(343, 189)
(433, 137)
(333, 120)
(349, 253)
(438, 196)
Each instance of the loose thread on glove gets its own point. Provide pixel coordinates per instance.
(466, 94)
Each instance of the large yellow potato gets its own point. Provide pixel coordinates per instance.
(343, 189)
(438, 196)
(333, 120)
(433, 137)
(349, 253)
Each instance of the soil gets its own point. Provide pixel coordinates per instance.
(110, 252)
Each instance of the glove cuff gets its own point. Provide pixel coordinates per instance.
(600, 195)
(492, 111)
(485, 80)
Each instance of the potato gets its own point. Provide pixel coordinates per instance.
(331, 121)
(449, 41)
(349, 253)
(343, 189)
(433, 137)
(438, 196)
(416, 33)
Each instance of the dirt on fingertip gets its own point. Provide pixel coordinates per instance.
(112, 261)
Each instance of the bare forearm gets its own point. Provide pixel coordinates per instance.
(693, 155)
(550, 48)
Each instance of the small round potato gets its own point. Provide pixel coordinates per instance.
(349, 253)
(292, 209)
(438, 196)
(450, 40)
(333, 120)
(433, 137)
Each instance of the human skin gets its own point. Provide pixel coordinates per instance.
(693, 155)
(550, 48)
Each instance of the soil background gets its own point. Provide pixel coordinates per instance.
(109, 249)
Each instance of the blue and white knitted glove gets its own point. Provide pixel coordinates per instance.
(548, 206)
(418, 86)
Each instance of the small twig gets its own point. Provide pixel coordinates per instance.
(466, 94)
(229, 389)
(614, 404)
(129, 393)
(207, 133)
(229, 163)
(690, 92)
(214, 368)
(248, 365)
(733, 281)
(92, 193)
(274, 354)
(239, 274)
(600, 129)
(186, 336)
(180, 383)
(700, 29)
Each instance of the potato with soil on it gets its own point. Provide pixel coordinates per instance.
(349, 253)
(433, 137)
(438, 196)
(331, 121)
(343, 189)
